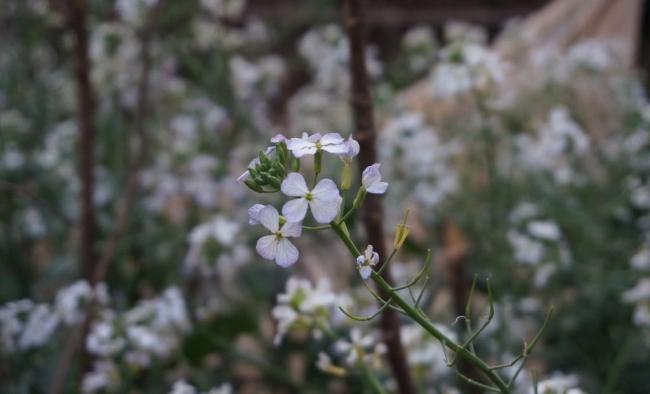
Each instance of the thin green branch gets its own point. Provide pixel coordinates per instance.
(529, 347)
(385, 264)
(358, 318)
(475, 383)
(425, 269)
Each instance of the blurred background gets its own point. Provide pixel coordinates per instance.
(517, 133)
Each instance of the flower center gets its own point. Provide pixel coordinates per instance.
(318, 145)
(278, 235)
(309, 196)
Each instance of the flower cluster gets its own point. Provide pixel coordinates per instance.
(268, 173)
(25, 324)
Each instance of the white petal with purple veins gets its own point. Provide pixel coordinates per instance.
(267, 247)
(291, 229)
(286, 253)
(270, 218)
(295, 210)
(294, 185)
(324, 211)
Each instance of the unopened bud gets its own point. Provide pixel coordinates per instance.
(401, 233)
(264, 160)
(253, 186)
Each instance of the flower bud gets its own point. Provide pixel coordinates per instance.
(264, 160)
(401, 233)
(253, 186)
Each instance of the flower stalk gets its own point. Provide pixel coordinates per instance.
(419, 317)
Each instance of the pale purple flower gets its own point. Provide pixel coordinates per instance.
(366, 261)
(324, 200)
(371, 180)
(310, 144)
(276, 246)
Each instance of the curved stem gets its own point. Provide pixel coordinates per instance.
(422, 320)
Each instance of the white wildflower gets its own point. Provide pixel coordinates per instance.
(371, 180)
(366, 261)
(324, 200)
(276, 246)
(310, 144)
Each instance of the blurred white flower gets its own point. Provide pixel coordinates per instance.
(558, 384)
(12, 322)
(544, 229)
(40, 326)
(102, 378)
(423, 350)
(182, 387)
(103, 340)
(641, 259)
(276, 246)
(304, 306)
(361, 347)
(324, 200)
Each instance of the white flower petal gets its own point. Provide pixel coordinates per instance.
(294, 185)
(295, 210)
(270, 218)
(287, 254)
(377, 188)
(312, 138)
(292, 229)
(360, 260)
(324, 211)
(332, 139)
(338, 149)
(365, 271)
(310, 150)
(267, 247)
(352, 148)
(326, 190)
(370, 175)
(298, 143)
(254, 213)
(301, 146)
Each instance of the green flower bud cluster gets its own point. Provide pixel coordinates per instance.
(271, 168)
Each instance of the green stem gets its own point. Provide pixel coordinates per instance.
(422, 320)
(370, 377)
